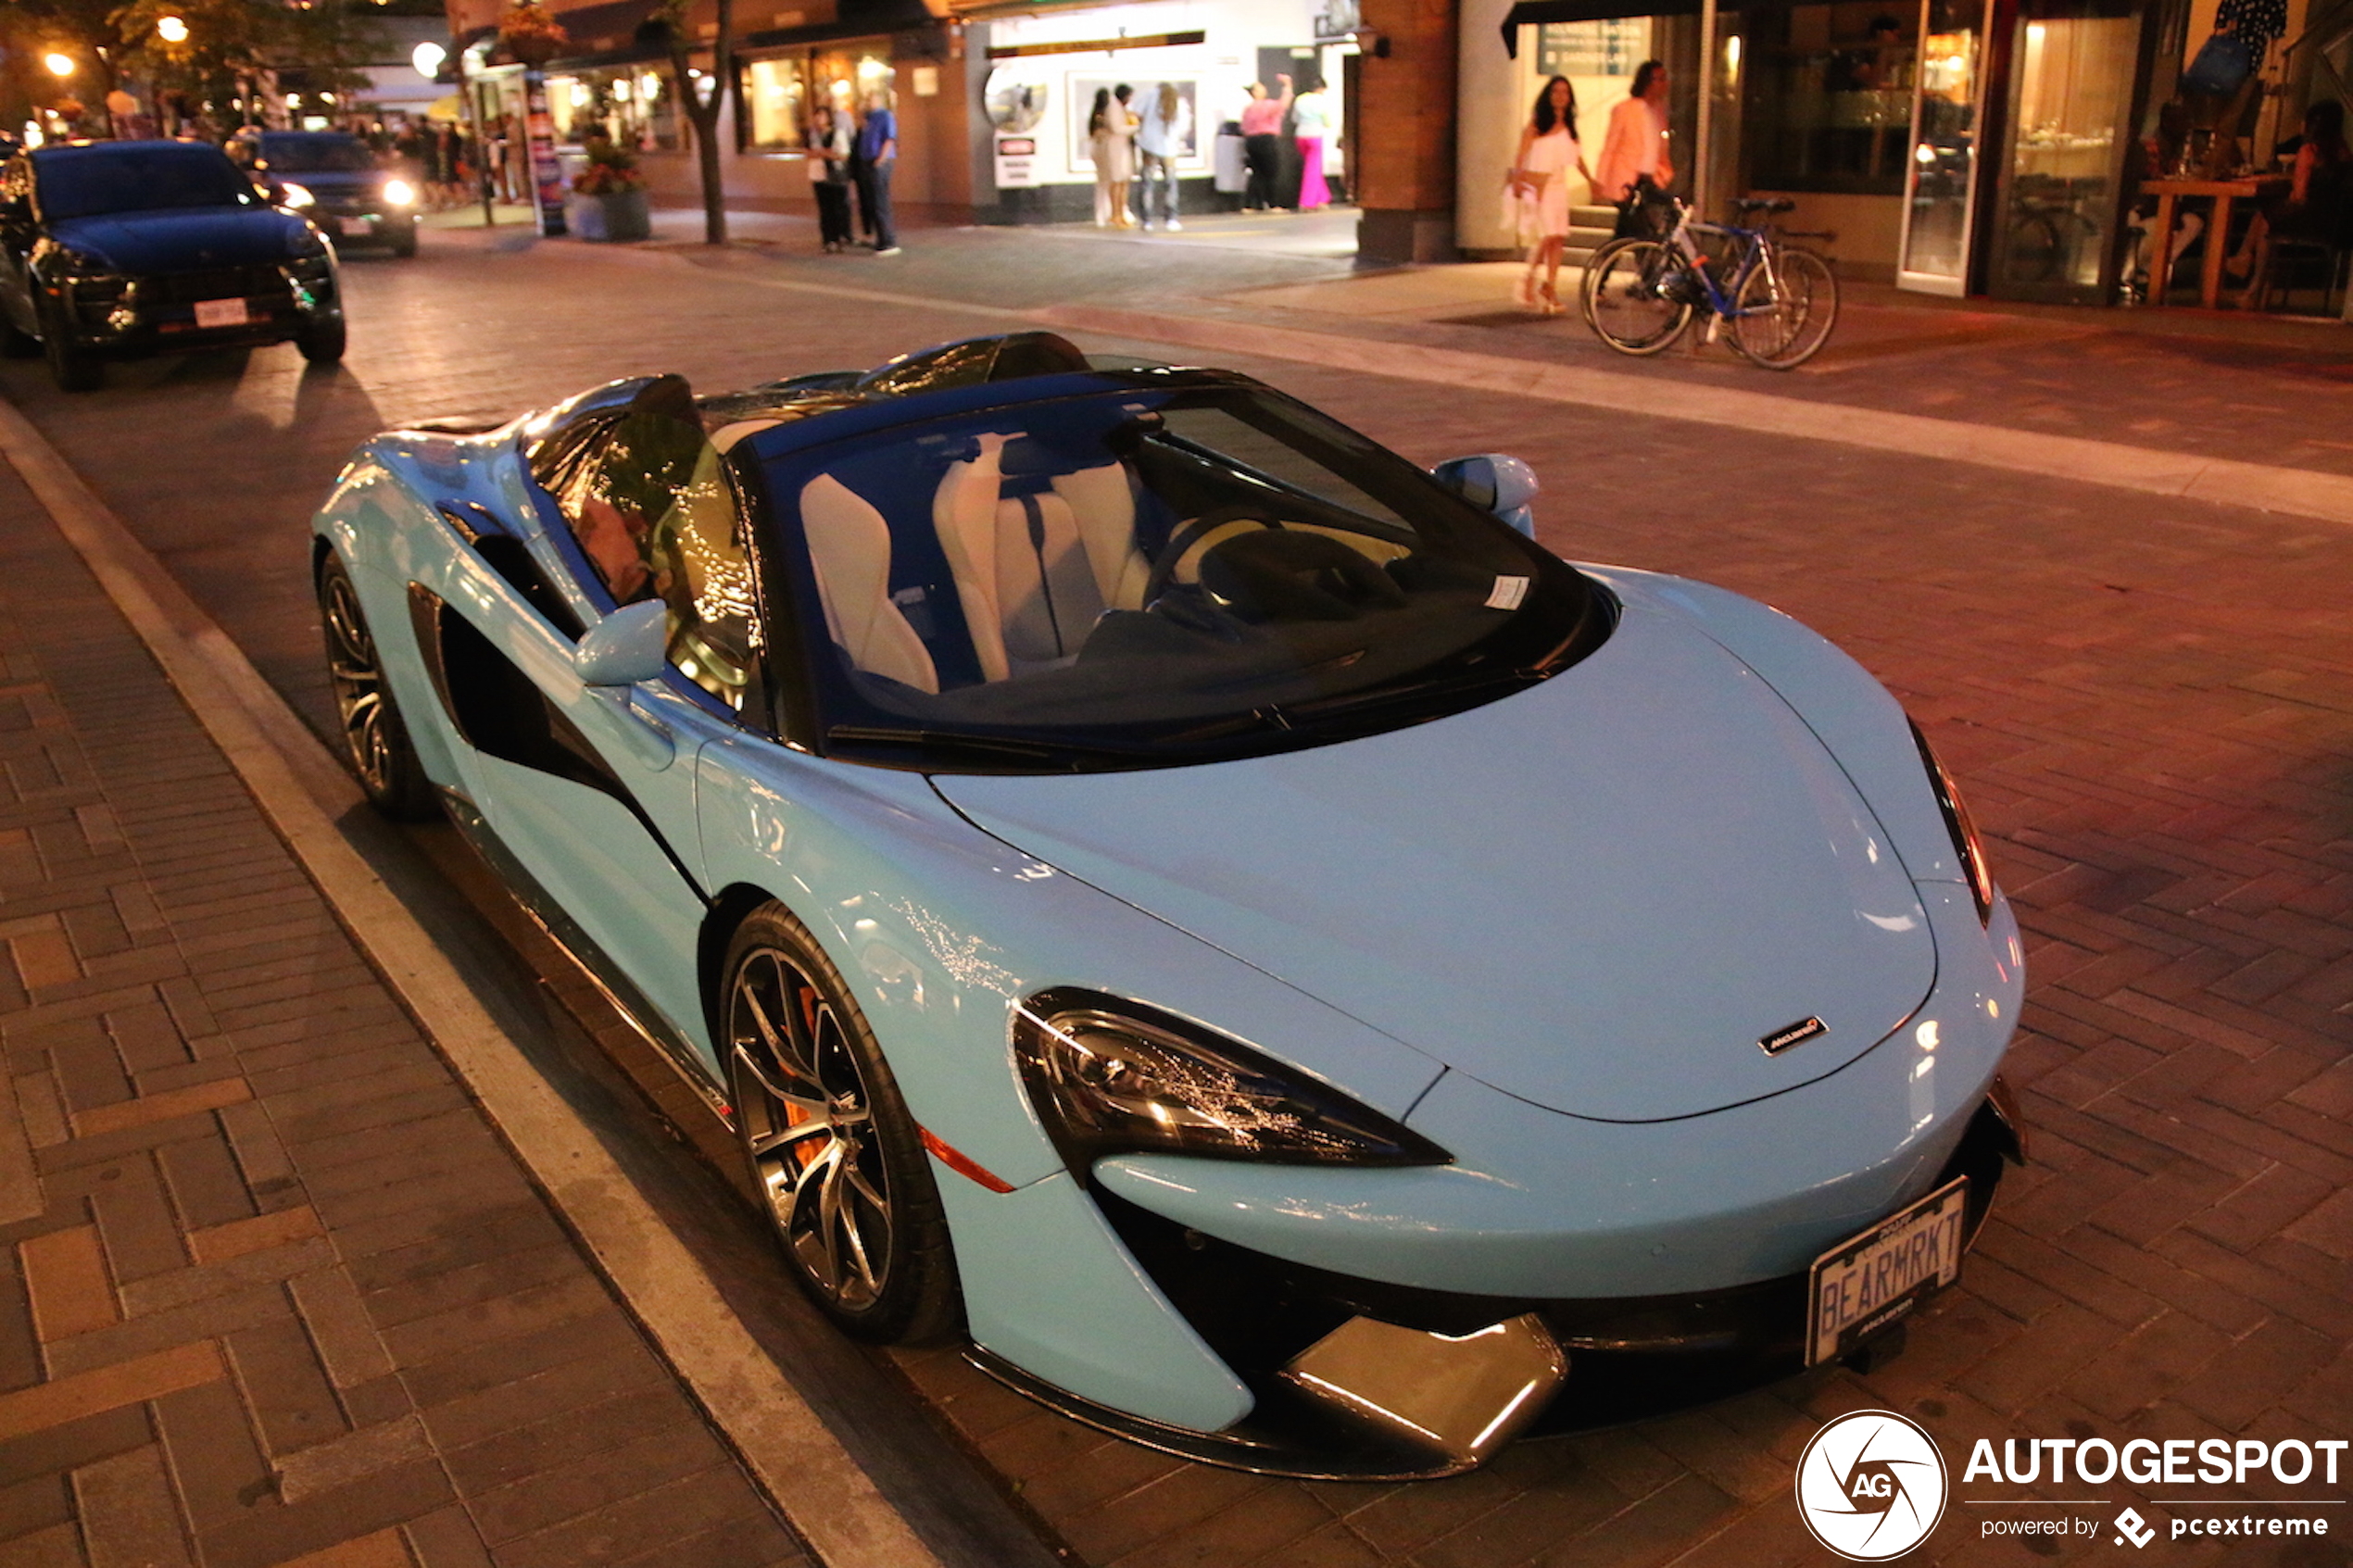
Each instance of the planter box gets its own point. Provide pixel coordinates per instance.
(623, 216)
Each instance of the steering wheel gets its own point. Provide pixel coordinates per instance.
(1296, 575)
(1190, 537)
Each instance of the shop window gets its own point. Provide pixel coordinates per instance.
(1830, 101)
(776, 93)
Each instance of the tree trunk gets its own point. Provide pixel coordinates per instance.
(703, 114)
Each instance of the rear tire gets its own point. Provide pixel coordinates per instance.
(322, 342)
(1782, 320)
(839, 1164)
(376, 740)
(1626, 301)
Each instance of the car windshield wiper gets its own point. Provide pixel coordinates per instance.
(942, 744)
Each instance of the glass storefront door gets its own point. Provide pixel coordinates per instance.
(2072, 76)
(1941, 174)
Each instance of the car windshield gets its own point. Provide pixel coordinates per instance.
(300, 151)
(140, 177)
(1152, 575)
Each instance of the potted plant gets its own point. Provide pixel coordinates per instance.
(530, 35)
(609, 196)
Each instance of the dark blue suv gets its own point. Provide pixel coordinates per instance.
(331, 178)
(121, 249)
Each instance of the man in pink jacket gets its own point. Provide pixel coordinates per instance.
(1637, 140)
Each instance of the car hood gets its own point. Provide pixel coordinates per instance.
(181, 240)
(1599, 895)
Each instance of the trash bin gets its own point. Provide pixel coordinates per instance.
(1231, 176)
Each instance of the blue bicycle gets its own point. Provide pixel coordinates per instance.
(1778, 301)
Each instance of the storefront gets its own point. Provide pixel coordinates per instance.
(1045, 66)
(1954, 146)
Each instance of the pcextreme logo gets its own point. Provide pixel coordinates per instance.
(1870, 1486)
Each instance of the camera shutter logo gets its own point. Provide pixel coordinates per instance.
(1871, 1486)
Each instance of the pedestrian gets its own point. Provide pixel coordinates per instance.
(1111, 140)
(1635, 149)
(829, 155)
(878, 147)
(1311, 123)
(1168, 126)
(1538, 188)
(2317, 208)
(1261, 143)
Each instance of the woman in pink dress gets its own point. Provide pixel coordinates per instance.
(1312, 123)
(1538, 190)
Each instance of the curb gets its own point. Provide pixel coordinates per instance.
(828, 1500)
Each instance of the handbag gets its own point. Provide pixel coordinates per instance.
(2223, 64)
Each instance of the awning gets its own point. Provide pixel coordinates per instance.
(611, 34)
(1534, 12)
(788, 38)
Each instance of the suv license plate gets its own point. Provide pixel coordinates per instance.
(1867, 1282)
(220, 313)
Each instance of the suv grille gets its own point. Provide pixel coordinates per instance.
(220, 283)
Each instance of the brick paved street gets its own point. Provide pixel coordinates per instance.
(270, 1290)
(2149, 701)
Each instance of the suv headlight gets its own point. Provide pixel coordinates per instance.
(1108, 1077)
(399, 193)
(1956, 822)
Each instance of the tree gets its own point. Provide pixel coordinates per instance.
(703, 111)
(232, 43)
(81, 29)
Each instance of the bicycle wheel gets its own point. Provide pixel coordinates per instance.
(1628, 299)
(1786, 310)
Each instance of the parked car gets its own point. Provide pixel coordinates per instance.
(119, 250)
(331, 178)
(1293, 972)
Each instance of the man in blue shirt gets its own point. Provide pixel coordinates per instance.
(877, 154)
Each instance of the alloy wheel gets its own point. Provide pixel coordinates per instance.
(359, 683)
(806, 1115)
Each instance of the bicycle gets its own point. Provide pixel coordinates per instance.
(1779, 301)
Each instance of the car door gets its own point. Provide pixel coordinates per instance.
(591, 790)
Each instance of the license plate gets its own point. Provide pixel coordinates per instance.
(220, 313)
(1868, 1281)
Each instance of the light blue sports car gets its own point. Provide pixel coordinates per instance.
(1206, 911)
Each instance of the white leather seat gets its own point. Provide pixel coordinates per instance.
(1034, 572)
(849, 551)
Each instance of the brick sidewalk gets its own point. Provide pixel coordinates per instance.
(270, 1289)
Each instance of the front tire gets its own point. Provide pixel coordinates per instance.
(73, 368)
(402, 242)
(375, 738)
(836, 1158)
(321, 342)
(15, 341)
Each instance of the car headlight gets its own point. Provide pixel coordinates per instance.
(1956, 822)
(1110, 1077)
(399, 193)
(291, 194)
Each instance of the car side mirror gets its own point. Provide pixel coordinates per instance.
(629, 645)
(1496, 484)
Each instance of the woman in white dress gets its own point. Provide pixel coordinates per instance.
(1538, 190)
(1111, 135)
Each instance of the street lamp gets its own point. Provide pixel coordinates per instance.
(60, 66)
(172, 29)
(427, 57)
